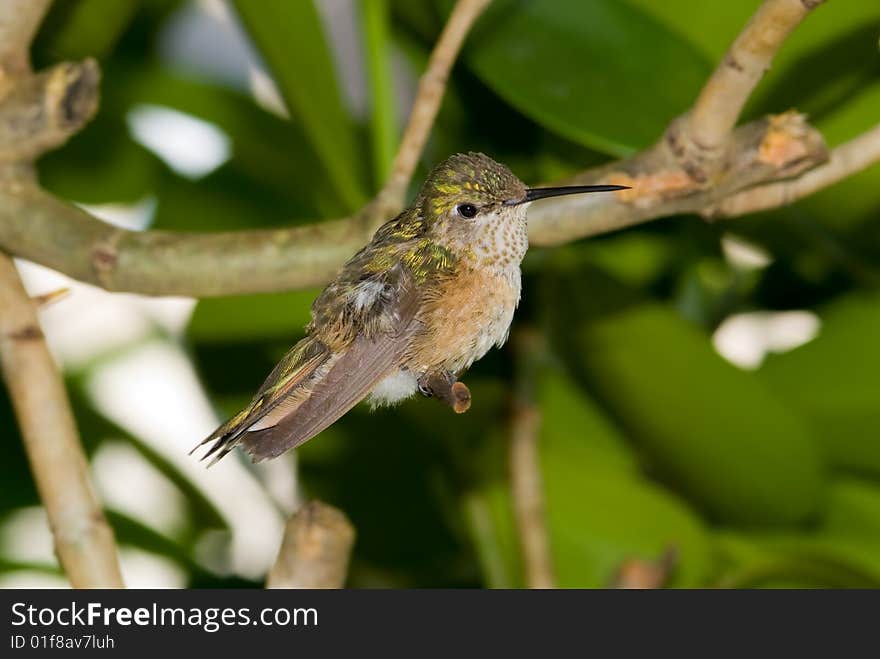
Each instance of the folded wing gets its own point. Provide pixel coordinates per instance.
(313, 386)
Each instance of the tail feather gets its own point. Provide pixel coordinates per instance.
(313, 386)
(291, 378)
(338, 385)
(225, 438)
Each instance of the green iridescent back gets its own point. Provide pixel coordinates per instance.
(414, 239)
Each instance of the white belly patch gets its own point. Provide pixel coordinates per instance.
(394, 388)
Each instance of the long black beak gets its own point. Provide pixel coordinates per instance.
(533, 194)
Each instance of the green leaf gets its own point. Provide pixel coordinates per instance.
(600, 516)
(224, 200)
(27, 566)
(101, 164)
(488, 514)
(853, 509)
(376, 19)
(842, 550)
(714, 432)
(582, 69)
(19, 488)
(266, 150)
(389, 474)
(717, 431)
(599, 510)
(252, 317)
(291, 38)
(636, 258)
(131, 531)
(834, 382)
(574, 424)
(829, 65)
(84, 28)
(819, 559)
(423, 20)
(709, 26)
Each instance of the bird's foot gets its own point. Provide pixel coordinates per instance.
(445, 388)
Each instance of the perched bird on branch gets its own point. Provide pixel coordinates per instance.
(432, 292)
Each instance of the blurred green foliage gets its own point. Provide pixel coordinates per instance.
(649, 438)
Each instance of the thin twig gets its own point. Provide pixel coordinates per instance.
(432, 86)
(528, 499)
(847, 159)
(525, 468)
(315, 550)
(640, 574)
(774, 148)
(701, 137)
(19, 20)
(83, 539)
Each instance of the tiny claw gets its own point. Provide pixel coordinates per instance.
(461, 398)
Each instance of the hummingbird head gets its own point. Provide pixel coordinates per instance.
(477, 207)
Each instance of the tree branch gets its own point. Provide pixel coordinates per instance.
(845, 160)
(83, 539)
(525, 469)
(36, 226)
(42, 111)
(39, 112)
(39, 227)
(770, 149)
(432, 87)
(19, 20)
(700, 137)
(315, 550)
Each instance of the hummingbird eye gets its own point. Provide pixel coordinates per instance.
(467, 211)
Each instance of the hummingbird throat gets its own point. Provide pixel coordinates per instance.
(501, 241)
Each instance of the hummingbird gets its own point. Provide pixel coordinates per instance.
(431, 293)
